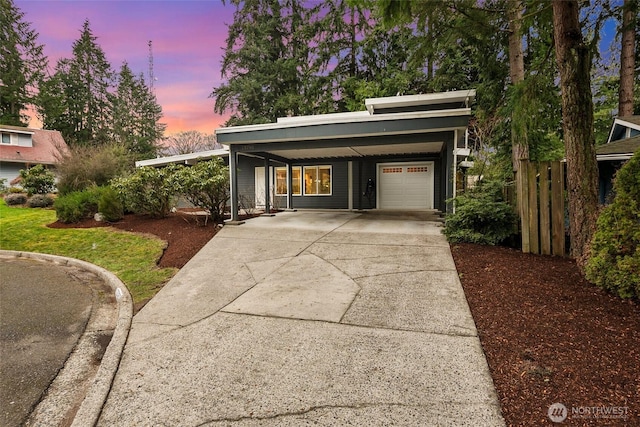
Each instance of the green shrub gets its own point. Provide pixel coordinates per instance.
(78, 205)
(206, 185)
(40, 201)
(16, 190)
(614, 262)
(149, 190)
(15, 199)
(481, 216)
(110, 205)
(38, 180)
(82, 167)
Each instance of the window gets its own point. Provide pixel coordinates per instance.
(281, 181)
(317, 180)
(6, 138)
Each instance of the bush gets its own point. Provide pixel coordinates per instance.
(40, 201)
(206, 185)
(110, 205)
(78, 205)
(149, 190)
(16, 190)
(82, 167)
(15, 199)
(38, 180)
(481, 216)
(614, 261)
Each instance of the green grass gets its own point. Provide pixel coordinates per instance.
(129, 256)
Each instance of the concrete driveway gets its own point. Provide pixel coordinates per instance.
(323, 318)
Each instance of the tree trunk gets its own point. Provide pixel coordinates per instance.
(519, 146)
(627, 59)
(574, 65)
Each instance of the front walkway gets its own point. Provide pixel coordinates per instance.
(323, 318)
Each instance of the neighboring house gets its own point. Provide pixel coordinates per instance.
(624, 140)
(402, 153)
(22, 148)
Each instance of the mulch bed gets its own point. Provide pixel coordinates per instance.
(184, 233)
(552, 337)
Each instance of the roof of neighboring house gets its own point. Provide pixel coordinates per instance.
(46, 145)
(631, 119)
(619, 150)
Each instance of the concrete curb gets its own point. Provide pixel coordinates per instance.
(91, 407)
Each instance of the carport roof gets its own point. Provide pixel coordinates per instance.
(391, 130)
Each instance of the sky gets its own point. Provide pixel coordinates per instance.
(188, 40)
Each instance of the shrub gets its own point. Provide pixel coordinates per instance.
(149, 190)
(16, 190)
(82, 167)
(40, 201)
(15, 199)
(481, 216)
(614, 261)
(77, 205)
(38, 180)
(110, 205)
(206, 185)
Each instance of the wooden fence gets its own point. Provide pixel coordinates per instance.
(542, 207)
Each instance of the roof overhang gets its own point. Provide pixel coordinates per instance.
(187, 159)
(457, 96)
(613, 157)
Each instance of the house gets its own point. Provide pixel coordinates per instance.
(21, 148)
(624, 140)
(401, 153)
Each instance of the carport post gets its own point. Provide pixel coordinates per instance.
(233, 171)
(267, 185)
(289, 186)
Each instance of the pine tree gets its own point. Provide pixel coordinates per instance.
(22, 65)
(75, 99)
(135, 115)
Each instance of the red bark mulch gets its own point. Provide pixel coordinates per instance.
(552, 337)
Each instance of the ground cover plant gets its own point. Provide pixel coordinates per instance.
(129, 256)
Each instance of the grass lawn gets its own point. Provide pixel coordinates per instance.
(129, 256)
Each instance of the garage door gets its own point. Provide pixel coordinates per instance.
(405, 186)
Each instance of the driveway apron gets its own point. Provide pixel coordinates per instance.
(309, 318)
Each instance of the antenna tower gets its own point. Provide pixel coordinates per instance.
(151, 76)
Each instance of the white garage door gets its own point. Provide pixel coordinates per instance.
(405, 185)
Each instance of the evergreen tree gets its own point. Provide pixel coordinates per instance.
(75, 100)
(135, 115)
(266, 63)
(22, 65)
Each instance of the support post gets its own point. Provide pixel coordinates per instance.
(289, 186)
(267, 186)
(233, 172)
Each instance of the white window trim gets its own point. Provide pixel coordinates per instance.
(317, 167)
(275, 179)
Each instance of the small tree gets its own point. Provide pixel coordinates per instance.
(149, 190)
(614, 262)
(206, 185)
(38, 180)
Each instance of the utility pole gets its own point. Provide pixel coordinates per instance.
(151, 76)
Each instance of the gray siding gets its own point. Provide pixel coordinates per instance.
(10, 171)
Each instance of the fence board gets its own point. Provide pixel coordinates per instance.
(532, 171)
(557, 208)
(523, 206)
(545, 217)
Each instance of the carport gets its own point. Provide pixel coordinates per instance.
(401, 153)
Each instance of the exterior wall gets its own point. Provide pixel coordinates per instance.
(10, 171)
(362, 170)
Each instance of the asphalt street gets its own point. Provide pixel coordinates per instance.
(43, 311)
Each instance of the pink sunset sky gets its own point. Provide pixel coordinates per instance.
(188, 39)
